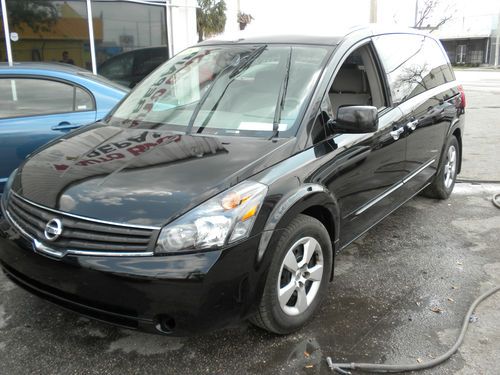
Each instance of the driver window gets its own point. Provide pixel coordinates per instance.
(357, 82)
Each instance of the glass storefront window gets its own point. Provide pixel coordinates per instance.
(130, 37)
(133, 40)
(3, 49)
(48, 30)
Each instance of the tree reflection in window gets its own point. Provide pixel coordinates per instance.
(413, 64)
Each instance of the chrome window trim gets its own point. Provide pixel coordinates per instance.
(86, 218)
(393, 188)
(412, 103)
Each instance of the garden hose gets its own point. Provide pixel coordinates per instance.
(496, 198)
(343, 368)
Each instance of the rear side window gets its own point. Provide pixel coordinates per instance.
(83, 100)
(413, 64)
(32, 96)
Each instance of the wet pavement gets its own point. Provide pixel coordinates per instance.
(482, 133)
(399, 296)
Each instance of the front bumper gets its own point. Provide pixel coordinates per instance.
(175, 294)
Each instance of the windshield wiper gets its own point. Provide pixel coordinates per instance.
(280, 103)
(249, 59)
(242, 65)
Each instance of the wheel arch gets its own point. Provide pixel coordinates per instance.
(455, 130)
(458, 135)
(309, 199)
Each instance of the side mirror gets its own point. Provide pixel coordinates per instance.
(355, 120)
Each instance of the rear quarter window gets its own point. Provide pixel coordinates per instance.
(413, 64)
(83, 100)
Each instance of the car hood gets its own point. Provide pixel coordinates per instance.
(140, 176)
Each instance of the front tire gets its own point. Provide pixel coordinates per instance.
(297, 278)
(445, 179)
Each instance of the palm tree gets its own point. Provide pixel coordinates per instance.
(39, 15)
(211, 17)
(244, 19)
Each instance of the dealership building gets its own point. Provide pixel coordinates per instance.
(89, 32)
(471, 39)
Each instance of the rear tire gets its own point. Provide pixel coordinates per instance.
(445, 179)
(297, 278)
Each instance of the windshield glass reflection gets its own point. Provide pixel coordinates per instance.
(228, 90)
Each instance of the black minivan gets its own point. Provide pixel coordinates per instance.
(222, 186)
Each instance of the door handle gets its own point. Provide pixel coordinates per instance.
(396, 133)
(412, 125)
(65, 126)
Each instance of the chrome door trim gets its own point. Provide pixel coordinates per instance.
(393, 188)
(419, 170)
(378, 199)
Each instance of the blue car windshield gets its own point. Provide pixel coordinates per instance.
(226, 90)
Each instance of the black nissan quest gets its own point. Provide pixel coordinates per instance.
(223, 185)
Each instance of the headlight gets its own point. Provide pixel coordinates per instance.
(225, 218)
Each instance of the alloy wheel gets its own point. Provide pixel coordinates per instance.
(300, 276)
(450, 167)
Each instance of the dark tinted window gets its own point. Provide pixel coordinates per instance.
(413, 64)
(27, 97)
(146, 62)
(118, 66)
(124, 26)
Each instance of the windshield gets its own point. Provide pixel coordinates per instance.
(227, 90)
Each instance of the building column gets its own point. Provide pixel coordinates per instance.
(373, 11)
(168, 20)
(6, 30)
(497, 42)
(90, 21)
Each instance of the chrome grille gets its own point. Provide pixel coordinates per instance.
(80, 235)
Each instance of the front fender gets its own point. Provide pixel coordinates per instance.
(295, 202)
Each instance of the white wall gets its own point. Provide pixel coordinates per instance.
(469, 17)
(232, 15)
(183, 25)
(300, 16)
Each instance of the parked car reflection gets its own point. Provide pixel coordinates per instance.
(90, 174)
(40, 101)
(131, 67)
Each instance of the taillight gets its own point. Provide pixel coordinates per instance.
(462, 96)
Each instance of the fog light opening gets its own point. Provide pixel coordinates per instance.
(165, 324)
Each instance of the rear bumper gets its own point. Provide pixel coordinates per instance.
(197, 292)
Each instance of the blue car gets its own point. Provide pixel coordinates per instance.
(41, 101)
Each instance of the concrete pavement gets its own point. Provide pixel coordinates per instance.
(482, 133)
